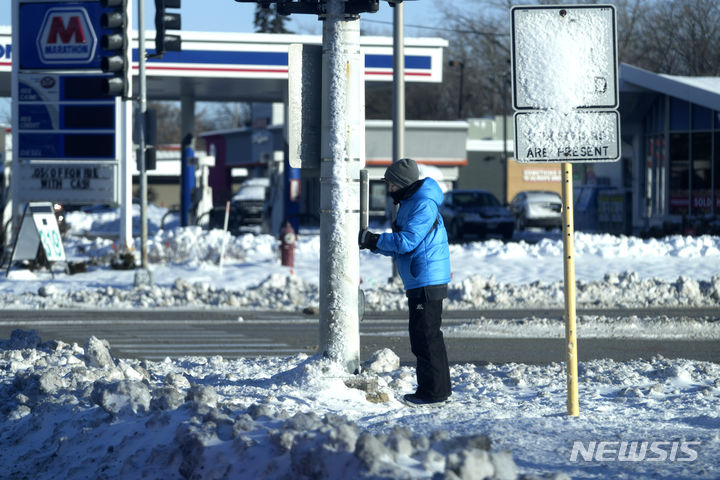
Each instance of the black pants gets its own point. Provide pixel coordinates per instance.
(427, 344)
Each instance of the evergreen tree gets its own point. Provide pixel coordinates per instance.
(267, 20)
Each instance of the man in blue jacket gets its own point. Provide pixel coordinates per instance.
(419, 245)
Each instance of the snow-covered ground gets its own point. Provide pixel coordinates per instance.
(69, 411)
(611, 272)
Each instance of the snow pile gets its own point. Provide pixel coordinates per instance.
(591, 326)
(626, 290)
(189, 245)
(611, 271)
(106, 221)
(276, 292)
(70, 412)
(73, 412)
(287, 292)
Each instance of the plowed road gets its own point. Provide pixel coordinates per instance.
(156, 334)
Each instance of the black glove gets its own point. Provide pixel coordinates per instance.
(368, 239)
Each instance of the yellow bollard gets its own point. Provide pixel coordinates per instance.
(568, 232)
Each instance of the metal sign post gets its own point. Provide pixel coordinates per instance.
(568, 233)
(565, 93)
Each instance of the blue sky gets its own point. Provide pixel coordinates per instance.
(231, 16)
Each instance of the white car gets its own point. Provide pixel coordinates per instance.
(537, 209)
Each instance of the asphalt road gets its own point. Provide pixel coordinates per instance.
(156, 334)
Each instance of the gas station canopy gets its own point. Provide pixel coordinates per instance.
(251, 66)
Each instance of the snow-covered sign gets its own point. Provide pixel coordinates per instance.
(575, 136)
(304, 105)
(565, 84)
(564, 57)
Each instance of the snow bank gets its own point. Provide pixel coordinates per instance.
(73, 412)
(612, 271)
(288, 292)
(70, 412)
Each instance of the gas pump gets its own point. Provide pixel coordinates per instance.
(187, 179)
(202, 193)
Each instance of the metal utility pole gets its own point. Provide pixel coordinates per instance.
(398, 81)
(342, 157)
(141, 147)
(461, 65)
(398, 124)
(504, 162)
(142, 276)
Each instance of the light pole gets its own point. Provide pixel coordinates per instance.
(461, 64)
(505, 82)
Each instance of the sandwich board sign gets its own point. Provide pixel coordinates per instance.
(565, 83)
(39, 228)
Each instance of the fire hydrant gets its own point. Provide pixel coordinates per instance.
(287, 246)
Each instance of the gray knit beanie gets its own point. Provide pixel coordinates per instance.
(402, 173)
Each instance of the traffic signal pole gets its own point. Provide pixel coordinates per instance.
(398, 116)
(343, 155)
(141, 137)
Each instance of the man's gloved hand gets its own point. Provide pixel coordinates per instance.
(368, 239)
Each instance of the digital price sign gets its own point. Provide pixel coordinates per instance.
(66, 136)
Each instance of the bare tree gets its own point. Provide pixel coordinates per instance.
(677, 37)
(697, 27)
(168, 121)
(229, 115)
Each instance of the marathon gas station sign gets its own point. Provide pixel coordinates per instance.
(66, 136)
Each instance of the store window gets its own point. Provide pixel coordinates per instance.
(716, 167)
(655, 175)
(679, 115)
(679, 173)
(702, 173)
(701, 118)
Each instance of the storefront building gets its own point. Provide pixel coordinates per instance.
(673, 126)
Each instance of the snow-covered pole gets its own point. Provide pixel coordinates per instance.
(343, 155)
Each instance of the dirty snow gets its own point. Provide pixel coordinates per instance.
(76, 411)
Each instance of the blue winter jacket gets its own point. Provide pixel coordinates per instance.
(420, 250)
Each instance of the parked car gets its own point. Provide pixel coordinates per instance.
(475, 212)
(537, 209)
(249, 201)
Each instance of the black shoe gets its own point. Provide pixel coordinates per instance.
(414, 400)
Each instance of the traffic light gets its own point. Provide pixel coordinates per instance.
(166, 21)
(114, 42)
(355, 7)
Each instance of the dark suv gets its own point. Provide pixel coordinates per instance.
(477, 212)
